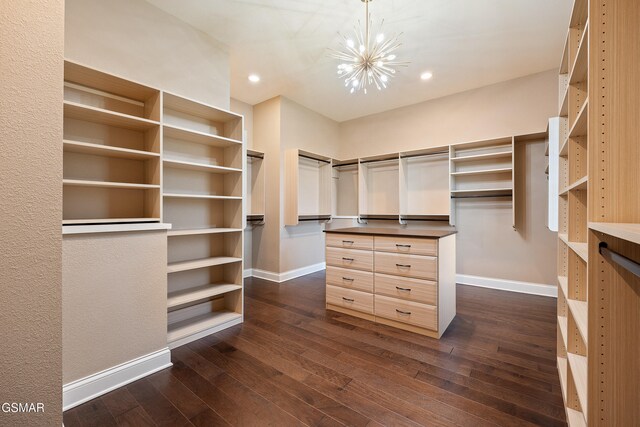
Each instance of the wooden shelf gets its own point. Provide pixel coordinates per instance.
(107, 150)
(201, 231)
(197, 137)
(581, 249)
(575, 418)
(578, 365)
(186, 328)
(478, 157)
(201, 167)
(628, 232)
(562, 371)
(580, 312)
(483, 172)
(74, 110)
(579, 127)
(562, 322)
(564, 105)
(488, 192)
(106, 184)
(198, 109)
(107, 221)
(580, 184)
(201, 263)
(564, 285)
(581, 63)
(176, 299)
(200, 196)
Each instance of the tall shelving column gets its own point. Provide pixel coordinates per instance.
(202, 197)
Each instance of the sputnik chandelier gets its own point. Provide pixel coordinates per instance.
(367, 61)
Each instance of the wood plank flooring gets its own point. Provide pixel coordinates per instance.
(292, 363)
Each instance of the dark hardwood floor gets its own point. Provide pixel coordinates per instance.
(293, 363)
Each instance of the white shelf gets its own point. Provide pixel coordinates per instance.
(198, 109)
(107, 150)
(580, 312)
(578, 365)
(486, 192)
(628, 232)
(478, 157)
(203, 138)
(201, 231)
(200, 325)
(201, 263)
(201, 167)
(107, 184)
(176, 299)
(113, 228)
(74, 110)
(483, 172)
(107, 221)
(200, 196)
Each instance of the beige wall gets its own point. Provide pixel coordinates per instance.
(135, 40)
(31, 48)
(114, 311)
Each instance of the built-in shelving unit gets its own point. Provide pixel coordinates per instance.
(256, 190)
(202, 197)
(307, 187)
(111, 149)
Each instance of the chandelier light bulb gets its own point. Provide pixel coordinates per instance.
(426, 75)
(350, 43)
(355, 83)
(391, 57)
(361, 48)
(384, 78)
(380, 38)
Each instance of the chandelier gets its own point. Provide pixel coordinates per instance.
(367, 61)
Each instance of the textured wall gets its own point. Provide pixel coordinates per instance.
(31, 48)
(135, 40)
(114, 299)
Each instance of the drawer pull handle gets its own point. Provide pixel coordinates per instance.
(406, 313)
(348, 259)
(403, 289)
(351, 242)
(403, 265)
(348, 299)
(348, 279)
(402, 246)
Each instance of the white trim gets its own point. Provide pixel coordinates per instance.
(508, 285)
(287, 275)
(247, 273)
(85, 389)
(205, 332)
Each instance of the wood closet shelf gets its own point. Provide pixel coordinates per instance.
(581, 63)
(107, 150)
(483, 172)
(478, 157)
(177, 132)
(106, 184)
(201, 263)
(87, 113)
(199, 293)
(562, 323)
(200, 196)
(204, 324)
(201, 231)
(578, 366)
(200, 167)
(562, 370)
(628, 232)
(90, 221)
(580, 312)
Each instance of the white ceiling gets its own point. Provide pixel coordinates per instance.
(465, 43)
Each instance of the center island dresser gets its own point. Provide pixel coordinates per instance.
(399, 277)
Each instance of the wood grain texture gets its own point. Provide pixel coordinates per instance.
(294, 363)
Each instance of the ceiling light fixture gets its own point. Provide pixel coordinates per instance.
(426, 75)
(254, 78)
(367, 61)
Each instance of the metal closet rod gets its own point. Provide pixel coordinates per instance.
(435, 153)
(313, 158)
(255, 156)
(481, 196)
(621, 260)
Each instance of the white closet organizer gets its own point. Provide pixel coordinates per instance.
(255, 191)
(379, 188)
(202, 194)
(307, 187)
(111, 145)
(424, 184)
(345, 189)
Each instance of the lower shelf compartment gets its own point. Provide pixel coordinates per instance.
(201, 263)
(199, 293)
(188, 330)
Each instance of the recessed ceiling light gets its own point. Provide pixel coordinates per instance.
(254, 78)
(426, 75)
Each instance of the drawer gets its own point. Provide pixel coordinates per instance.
(407, 245)
(352, 279)
(347, 298)
(349, 241)
(424, 291)
(413, 313)
(418, 266)
(350, 258)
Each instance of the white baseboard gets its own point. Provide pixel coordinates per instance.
(247, 273)
(287, 275)
(85, 389)
(508, 285)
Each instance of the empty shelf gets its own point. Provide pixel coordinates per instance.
(176, 299)
(185, 134)
(488, 192)
(562, 323)
(564, 105)
(107, 150)
(201, 263)
(202, 323)
(628, 232)
(579, 127)
(578, 365)
(74, 110)
(198, 109)
(575, 418)
(200, 196)
(201, 167)
(107, 184)
(580, 312)
(562, 371)
(564, 286)
(483, 172)
(200, 231)
(581, 249)
(581, 63)
(477, 157)
(107, 221)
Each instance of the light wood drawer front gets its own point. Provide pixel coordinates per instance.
(350, 258)
(418, 266)
(349, 241)
(347, 298)
(352, 279)
(406, 245)
(418, 290)
(413, 313)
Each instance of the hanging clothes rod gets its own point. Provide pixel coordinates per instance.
(481, 196)
(435, 153)
(313, 158)
(256, 156)
(345, 164)
(623, 261)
